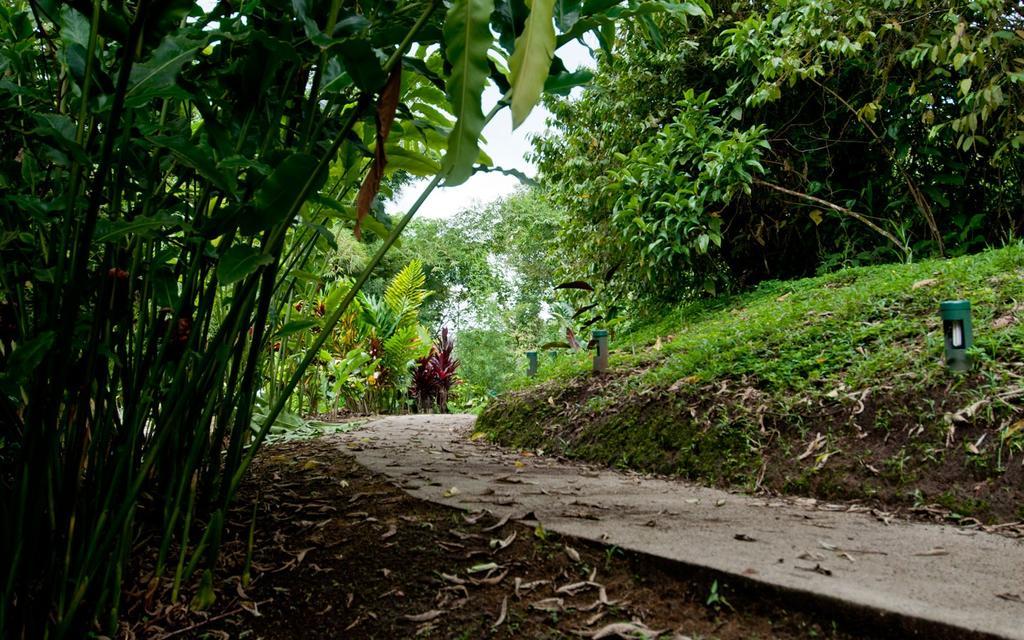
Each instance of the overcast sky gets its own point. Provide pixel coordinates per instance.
(507, 148)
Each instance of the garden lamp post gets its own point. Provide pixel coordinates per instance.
(531, 357)
(600, 336)
(956, 329)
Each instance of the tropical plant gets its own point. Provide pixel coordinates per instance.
(169, 174)
(435, 375)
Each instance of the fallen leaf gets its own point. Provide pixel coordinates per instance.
(426, 616)
(390, 532)
(528, 586)
(573, 554)
(815, 444)
(924, 283)
(551, 605)
(454, 491)
(500, 523)
(626, 630)
(251, 608)
(937, 551)
(742, 537)
(480, 568)
(817, 569)
(503, 614)
(498, 545)
(1004, 321)
(490, 580)
(1011, 597)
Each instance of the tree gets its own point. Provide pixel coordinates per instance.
(785, 138)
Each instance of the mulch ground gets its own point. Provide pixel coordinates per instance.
(341, 553)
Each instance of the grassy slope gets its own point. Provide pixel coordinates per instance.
(832, 387)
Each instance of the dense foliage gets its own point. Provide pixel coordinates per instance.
(784, 138)
(174, 181)
(491, 269)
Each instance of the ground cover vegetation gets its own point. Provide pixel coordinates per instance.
(179, 186)
(832, 387)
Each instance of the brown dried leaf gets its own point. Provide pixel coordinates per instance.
(551, 605)
(573, 554)
(502, 614)
(387, 104)
(426, 616)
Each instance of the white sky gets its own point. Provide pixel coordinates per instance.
(507, 148)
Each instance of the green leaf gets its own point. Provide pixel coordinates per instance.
(530, 62)
(566, 81)
(239, 261)
(293, 327)
(361, 63)
(158, 76)
(140, 225)
(467, 37)
(198, 158)
(27, 356)
(277, 194)
(400, 158)
(567, 12)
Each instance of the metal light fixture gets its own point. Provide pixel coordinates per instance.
(956, 329)
(600, 338)
(531, 357)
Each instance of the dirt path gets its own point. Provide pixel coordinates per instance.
(926, 580)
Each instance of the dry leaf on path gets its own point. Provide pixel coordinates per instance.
(937, 551)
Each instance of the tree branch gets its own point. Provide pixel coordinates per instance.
(835, 207)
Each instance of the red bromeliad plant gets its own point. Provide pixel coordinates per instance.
(435, 375)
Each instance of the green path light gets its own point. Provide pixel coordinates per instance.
(531, 357)
(958, 334)
(600, 336)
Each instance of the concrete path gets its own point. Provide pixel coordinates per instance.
(908, 579)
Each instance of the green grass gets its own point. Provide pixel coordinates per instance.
(715, 389)
(802, 334)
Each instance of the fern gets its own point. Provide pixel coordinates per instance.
(402, 349)
(407, 292)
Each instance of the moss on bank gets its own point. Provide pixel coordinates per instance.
(831, 387)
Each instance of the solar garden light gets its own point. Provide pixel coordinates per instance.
(531, 357)
(600, 336)
(956, 328)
